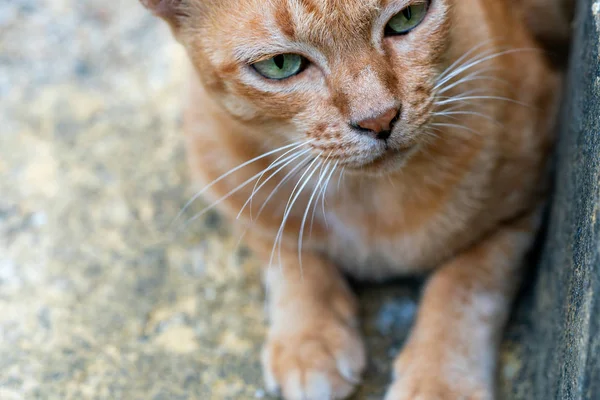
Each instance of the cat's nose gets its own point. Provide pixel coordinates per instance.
(381, 125)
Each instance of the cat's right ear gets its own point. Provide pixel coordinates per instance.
(172, 11)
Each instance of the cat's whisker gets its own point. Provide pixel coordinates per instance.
(458, 107)
(471, 78)
(225, 197)
(458, 65)
(314, 211)
(296, 192)
(287, 161)
(455, 107)
(461, 105)
(443, 80)
(482, 91)
(473, 61)
(291, 198)
(437, 101)
(289, 176)
(324, 166)
(232, 171)
(321, 195)
(299, 185)
(312, 217)
(462, 58)
(462, 98)
(446, 116)
(315, 207)
(451, 114)
(324, 193)
(285, 179)
(458, 126)
(265, 171)
(391, 181)
(472, 64)
(431, 133)
(324, 170)
(220, 200)
(340, 178)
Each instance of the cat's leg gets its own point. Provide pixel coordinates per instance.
(313, 350)
(452, 351)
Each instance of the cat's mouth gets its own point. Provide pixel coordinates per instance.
(387, 156)
(389, 160)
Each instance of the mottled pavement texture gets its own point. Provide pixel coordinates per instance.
(96, 300)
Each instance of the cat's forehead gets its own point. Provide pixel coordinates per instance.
(318, 22)
(315, 20)
(333, 12)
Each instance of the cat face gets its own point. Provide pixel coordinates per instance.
(355, 77)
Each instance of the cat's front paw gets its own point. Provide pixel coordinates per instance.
(430, 387)
(422, 374)
(322, 361)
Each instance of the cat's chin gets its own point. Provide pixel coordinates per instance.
(390, 161)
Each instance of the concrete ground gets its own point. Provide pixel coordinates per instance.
(97, 300)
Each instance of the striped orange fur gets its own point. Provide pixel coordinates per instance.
(453, 188)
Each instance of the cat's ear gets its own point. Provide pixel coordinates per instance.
(172, 11)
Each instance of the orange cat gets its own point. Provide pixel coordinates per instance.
(375, 138)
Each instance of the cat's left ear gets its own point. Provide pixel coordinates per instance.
(172, 11)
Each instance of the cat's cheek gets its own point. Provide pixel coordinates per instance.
(239, 108)
(250, 105)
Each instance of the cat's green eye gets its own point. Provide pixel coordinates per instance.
(281, 66)
(406, 20)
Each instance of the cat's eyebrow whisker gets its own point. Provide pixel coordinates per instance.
(287, 161)
(233, 170)
(296, 192)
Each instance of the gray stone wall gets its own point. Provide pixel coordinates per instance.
(557, 328)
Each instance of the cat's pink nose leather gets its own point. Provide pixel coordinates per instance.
(380, 123)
